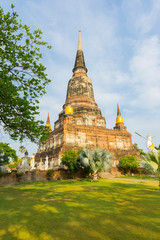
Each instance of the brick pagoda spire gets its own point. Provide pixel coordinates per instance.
(80, 90)
(79, 66)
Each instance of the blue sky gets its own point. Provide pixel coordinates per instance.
(121, 44)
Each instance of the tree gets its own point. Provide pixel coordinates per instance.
(70, 159)
(96, 159)
(158, 148)
(152, 161)
(22, 78)
(22, 149)
(6, 154)
(14, 164)
(138, 149)
(129, 164)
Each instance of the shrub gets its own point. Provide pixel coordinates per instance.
(70, 159)
(129, 164)
(13, 164)
(19, 174)
(87, 170)
(50, 172)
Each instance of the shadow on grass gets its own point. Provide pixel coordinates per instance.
(79, 210)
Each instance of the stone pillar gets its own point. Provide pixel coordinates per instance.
(33, 162)
(46, 163)
(40, 164)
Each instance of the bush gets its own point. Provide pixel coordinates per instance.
(50, 173)
(129, 164)
(13, 165)
(19, 174)
(87, 170)
(70, 159)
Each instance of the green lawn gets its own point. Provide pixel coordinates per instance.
(143, 177)
(80, 210)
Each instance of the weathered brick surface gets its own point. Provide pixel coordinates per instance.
(71, 135)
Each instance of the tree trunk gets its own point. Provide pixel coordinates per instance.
(94, 177)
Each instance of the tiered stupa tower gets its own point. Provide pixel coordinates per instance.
(81, 124)
(80, 91)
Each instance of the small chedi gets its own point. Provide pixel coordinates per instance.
(81, 124)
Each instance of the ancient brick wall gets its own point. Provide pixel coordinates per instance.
(38, 175)
(73, 134)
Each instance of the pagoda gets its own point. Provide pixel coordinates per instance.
(80, 124)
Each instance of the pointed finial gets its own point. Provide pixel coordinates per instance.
(119, 118)
(79, 41)
(79, 66)
(118, 111)
(48, 120)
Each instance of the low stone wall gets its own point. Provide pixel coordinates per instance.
(38, 175)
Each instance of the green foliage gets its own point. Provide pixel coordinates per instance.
(50, 172)
(138, 149)
(19, 174)
(146, 168)
(22, 78)
(7, 153)
(70, 159)
(158, 148)
(129, 164)
(87, 169)
(95, 160)
(14, 164)
(151, 161)
(22, 149)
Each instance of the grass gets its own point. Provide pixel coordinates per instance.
(143, 177)
(80, 210)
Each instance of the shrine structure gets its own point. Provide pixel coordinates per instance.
(81, 124)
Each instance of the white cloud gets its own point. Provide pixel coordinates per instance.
(145, 73)
(146, 62)
(141, 16)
